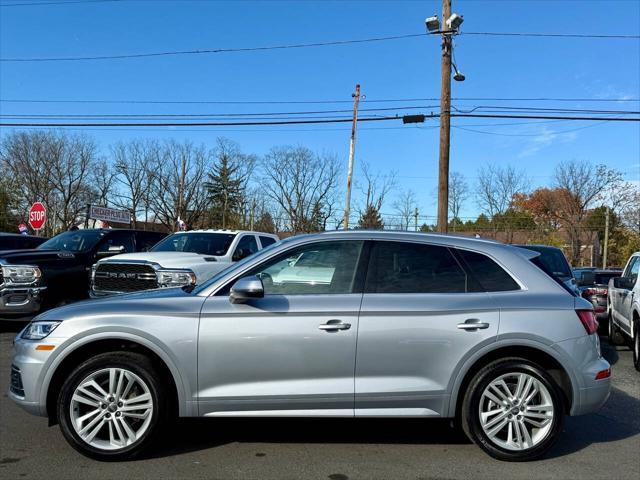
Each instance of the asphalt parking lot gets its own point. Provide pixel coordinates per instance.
(601, 445)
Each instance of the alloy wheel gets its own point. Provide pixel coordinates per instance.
(516, 411)
(111, 408)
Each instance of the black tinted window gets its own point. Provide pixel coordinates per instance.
(398, 267)
(118, 239)
(146, 240)
(246, 246)
(266, 241)
(489, 276)
(196, 242)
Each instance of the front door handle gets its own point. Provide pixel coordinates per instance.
(334, 325)
(473, 324)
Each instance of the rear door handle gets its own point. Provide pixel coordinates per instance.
(473, 324)
(334, 325)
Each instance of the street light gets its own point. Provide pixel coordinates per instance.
(433, 24)
(458, 77)
(454, 21)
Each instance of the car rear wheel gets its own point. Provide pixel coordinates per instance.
(513, 410)
(112, 406)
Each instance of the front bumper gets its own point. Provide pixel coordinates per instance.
(20, 300)
(28, 371)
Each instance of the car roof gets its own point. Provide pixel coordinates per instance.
(7, 234)
(231, 232)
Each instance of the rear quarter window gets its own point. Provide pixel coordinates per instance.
(488, 275)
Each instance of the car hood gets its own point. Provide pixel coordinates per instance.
(164, 259)
(33, 256)
(164, 301)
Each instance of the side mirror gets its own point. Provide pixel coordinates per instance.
(587, 278)
(245, 289)
(625, 283)
(113, 250)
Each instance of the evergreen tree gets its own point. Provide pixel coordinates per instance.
(225, 189)
(370, 219)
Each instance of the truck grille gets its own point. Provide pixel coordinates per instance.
(124, 277)
(1, 276)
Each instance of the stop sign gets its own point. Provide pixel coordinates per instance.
(37, 216)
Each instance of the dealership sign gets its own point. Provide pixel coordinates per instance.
(110, 215)
(37, 216)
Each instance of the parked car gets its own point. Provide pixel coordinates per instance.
(16, 241)
(624, 307)
(380, 324)
(181, 259)
(580, 271)
(57, 272)
(556, 263)
(594, 286)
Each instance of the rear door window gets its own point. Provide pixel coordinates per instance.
(403, 267)
(489, 276)
(266, 241)
(246, 246)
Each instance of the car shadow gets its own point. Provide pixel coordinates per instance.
(199, 434)
(13, 325)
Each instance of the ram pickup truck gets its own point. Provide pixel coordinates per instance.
(624, 307)
(58, 270)
(181, 259)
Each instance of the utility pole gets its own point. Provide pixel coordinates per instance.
(606, 239)
(352, 150)
(445, 120)
(415, 214)
(253, 213)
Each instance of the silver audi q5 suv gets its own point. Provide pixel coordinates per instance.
(340, 324)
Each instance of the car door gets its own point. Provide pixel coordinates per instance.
(624, 299)
(291, 352)
(417, 322)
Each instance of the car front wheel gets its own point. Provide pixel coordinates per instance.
(513, 410)
(636, 346)
(112, 406)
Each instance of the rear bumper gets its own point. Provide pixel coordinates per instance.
(18, 300)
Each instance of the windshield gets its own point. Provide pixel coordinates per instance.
(240, 264)
(554, 260)
(603, 278)
(75, 241)
(204, 243)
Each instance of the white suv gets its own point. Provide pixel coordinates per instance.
(181, 259)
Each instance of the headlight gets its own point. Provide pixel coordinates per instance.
(20, 274)
(38, 330)
(176, 278)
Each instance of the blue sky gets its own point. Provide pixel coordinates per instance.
(407, 68)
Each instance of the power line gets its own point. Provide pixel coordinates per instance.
(36, 4)
(551, 35)
(301, 45)
(277, 115)
(214, 50)
(313, 121)
(286, 102)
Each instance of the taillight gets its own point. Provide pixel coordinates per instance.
(588, 320)
(595, 291)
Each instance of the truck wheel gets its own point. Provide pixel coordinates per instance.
(613, 333)
(513, 410)
(112, 406)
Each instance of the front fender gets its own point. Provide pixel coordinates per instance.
(183, 387)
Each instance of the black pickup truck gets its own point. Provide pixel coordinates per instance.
(58, 270)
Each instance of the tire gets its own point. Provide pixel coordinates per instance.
(509, 441)
(636, 345)
(113, 430)
(613, 333)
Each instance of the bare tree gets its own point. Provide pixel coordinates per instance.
(458, 194)
(582, 185)
(376, 187)
(176, 185)
(405, 206)
(53, 168)
(102, 180)
(303, 185)
(497, 186)
(133, 163)
(71, 160)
